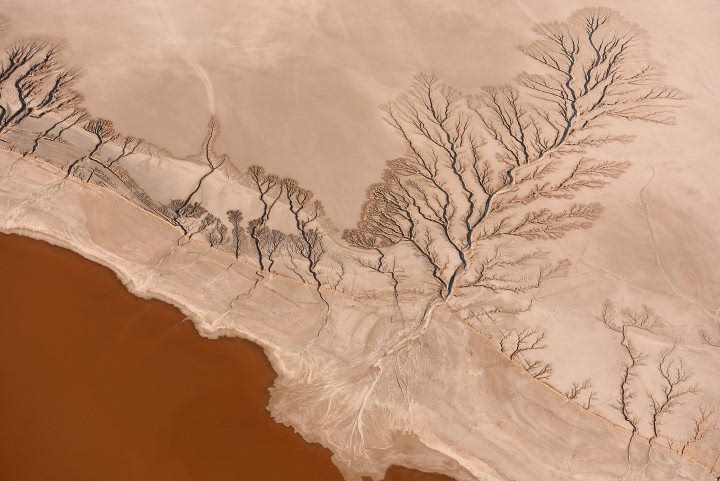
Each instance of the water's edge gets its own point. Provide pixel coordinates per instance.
(394, 473)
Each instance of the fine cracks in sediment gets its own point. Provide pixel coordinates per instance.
(267, 186)
(634, 360)
(445, 295)
(240, 296)
(82, 116)
(381, 266)
(675, 387)
(35, 145)
(104, 133)
(390, 272)
(215, 278)
(325, 318)
(658, 258)
(377, 368)
(46, 133)
(207, 153)
(178, 244)
(310, 244)
(11, 169)
(44, 193)
(129, 147)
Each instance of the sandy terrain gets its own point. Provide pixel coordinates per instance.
(530, 292)
(297, 88)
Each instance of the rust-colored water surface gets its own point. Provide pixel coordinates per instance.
(99, 385)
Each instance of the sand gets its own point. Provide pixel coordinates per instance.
(297, 86)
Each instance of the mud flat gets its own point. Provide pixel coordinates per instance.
(100, 384)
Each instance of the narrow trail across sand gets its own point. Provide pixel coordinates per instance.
(199, 70)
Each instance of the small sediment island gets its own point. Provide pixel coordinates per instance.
(529, 292)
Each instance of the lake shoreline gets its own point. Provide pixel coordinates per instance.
(20, 248)
(102, 224)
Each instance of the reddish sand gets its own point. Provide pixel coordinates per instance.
(100, 385)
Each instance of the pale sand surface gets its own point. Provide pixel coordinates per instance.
(296, 85)
(408, 358)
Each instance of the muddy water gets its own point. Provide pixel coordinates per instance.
(97, 384)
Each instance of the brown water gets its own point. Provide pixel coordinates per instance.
(99, 385)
